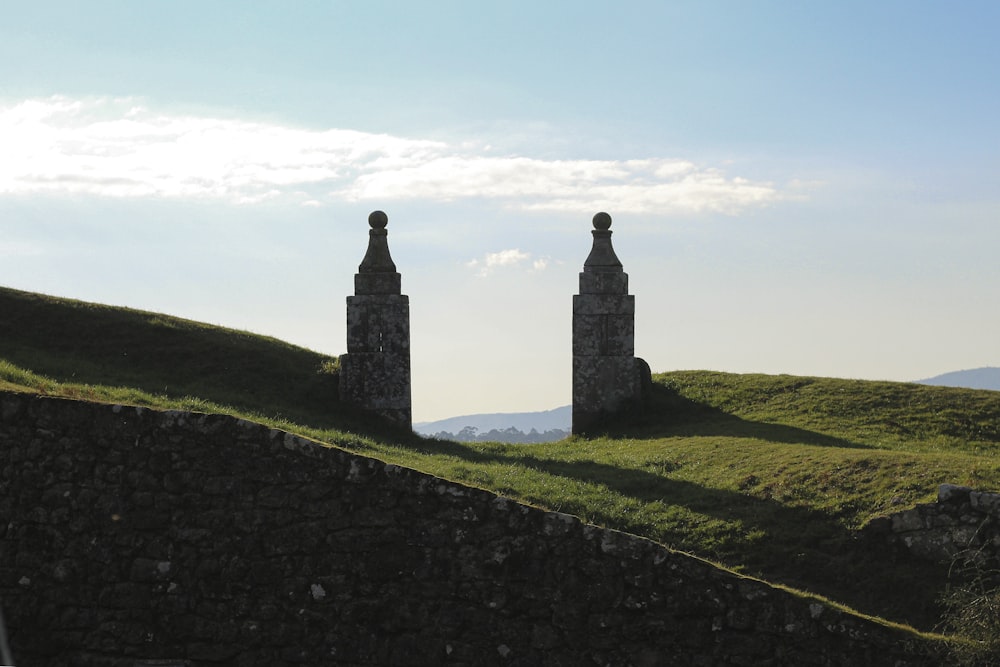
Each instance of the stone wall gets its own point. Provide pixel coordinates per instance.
(963, 524)
(137, 537)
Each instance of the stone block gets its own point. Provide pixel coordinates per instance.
(953, 493)
(603, 336)
(907, 521)
(988, 503)
(602, 387)
(880, 525)
(604, 304)
(603, 283)
(378, 324)
(377, 283)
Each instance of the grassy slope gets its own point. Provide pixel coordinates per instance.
(779, 497)
(767, 474)
(90, 346)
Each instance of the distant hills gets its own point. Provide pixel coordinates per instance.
(551, 425)
(976, 378)
(544, 426)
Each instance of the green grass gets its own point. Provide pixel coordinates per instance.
(769, 475)
(87, 345)
(885, 415)
(786, 512)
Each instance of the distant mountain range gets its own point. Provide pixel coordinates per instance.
(503, 426)
(976, 378)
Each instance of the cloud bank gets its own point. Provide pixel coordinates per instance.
(119, 148)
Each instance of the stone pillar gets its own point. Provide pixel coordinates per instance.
(375, 372)
(607, 378)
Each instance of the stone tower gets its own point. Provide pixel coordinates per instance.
(375, 372)
(607, 377)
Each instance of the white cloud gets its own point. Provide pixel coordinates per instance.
(117, 148)
(506, 258)
(512, 258)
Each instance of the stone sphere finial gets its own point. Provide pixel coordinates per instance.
(602, 221)
(378, 220)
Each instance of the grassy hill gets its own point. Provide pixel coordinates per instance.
(769, 475)
(85, 350)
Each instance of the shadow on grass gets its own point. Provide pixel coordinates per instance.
(799, 547)
(669, 414)
(89, 344)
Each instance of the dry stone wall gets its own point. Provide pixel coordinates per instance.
(963, 524)
(137, 537)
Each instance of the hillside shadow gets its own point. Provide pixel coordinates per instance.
(667, 414)
(89, 344)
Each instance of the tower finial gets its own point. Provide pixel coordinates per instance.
(378, 220)
(377, 259)
(602, 221)
(602, 256)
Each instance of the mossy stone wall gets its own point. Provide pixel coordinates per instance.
(137, 537)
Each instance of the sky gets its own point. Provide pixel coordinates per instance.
(803, 188)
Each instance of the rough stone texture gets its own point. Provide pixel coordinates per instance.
(131, 536)
(375, 372)
(963, 523)
(607, 377)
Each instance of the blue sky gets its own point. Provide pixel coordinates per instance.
(805, 188)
